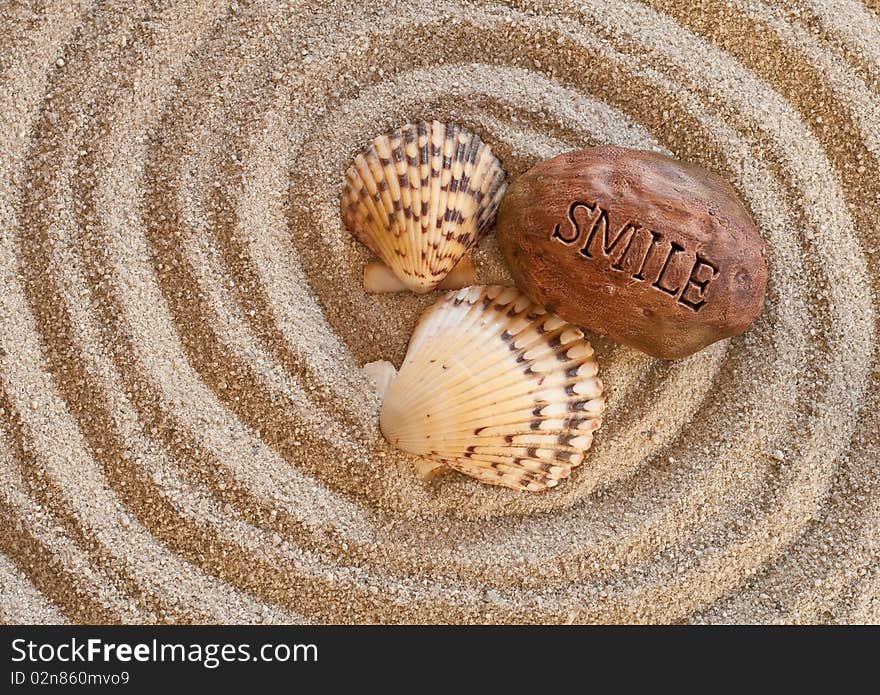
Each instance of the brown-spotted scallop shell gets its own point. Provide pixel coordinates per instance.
(495, 387)
(419, 197)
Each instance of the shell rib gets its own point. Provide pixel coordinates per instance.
(495, 387)
(419, 197)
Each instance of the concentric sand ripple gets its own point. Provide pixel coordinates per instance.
(185, 434)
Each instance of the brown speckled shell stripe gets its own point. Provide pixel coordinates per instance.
(420, 197)
(497, 388)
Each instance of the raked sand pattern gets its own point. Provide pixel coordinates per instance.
(185, 434)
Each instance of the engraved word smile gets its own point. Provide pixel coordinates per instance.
(641, 253)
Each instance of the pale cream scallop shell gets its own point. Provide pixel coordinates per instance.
(419, 197)
(495, 387)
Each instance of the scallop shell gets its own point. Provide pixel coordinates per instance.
(420, 197)
(495, 387)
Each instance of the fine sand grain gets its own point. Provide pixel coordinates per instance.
(185, 433)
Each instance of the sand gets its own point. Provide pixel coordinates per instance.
(185, 433)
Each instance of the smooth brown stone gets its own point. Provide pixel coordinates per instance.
(653, 252)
